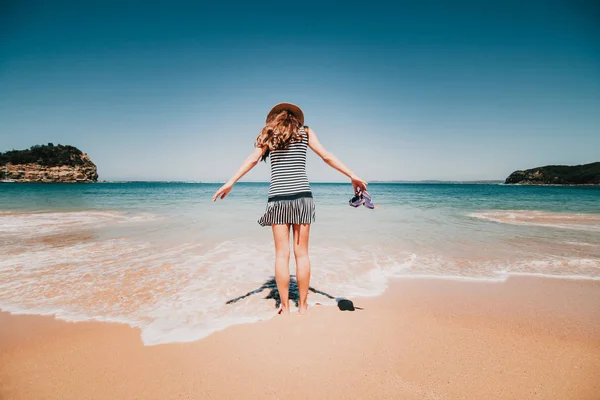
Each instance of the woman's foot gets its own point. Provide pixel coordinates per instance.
(283, 310)
(303, 310)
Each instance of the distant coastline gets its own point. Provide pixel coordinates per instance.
(425, 182)
(47, 164)
(557, 175)
(491, 182)
(435, 182)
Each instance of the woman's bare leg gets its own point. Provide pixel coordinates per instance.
(281, 236)
(301, 233)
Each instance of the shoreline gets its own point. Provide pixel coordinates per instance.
(392, 283)
(423, 338)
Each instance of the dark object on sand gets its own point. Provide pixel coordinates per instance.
(346, 305)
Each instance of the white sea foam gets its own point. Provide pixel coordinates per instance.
(177, 290)
(562, 276)
(585, 244)
(577, 221)
(41, 223)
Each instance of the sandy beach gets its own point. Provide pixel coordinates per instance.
(527, 338)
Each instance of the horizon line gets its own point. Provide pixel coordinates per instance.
(317, 182)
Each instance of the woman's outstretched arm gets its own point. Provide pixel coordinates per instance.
(246, 166)
(333, 161)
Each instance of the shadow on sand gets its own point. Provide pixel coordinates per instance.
(271, 285)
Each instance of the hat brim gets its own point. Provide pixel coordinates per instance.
(294, 109)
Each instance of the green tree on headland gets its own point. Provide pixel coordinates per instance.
(47, 155)
(586, 174)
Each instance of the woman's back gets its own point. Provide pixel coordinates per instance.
(288, 169)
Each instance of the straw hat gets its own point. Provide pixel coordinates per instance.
(294, 109)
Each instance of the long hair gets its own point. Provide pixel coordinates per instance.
(279, 132)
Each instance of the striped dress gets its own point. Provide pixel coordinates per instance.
(290, 198)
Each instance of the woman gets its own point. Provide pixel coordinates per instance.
(290, 202)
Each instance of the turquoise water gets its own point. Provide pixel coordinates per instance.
(161, 195)
(163, 257)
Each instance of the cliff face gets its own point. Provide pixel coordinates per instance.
(587, 174)
(33, 172)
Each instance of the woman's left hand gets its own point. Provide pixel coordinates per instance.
(222, 192)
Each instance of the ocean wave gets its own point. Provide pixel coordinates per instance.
(576, 221)
(179, 292)
(43, 223)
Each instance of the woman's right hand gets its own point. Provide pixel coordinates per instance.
(223, 191)
(358, 184)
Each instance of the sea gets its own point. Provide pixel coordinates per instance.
(163, 257)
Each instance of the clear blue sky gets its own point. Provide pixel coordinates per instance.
(417, 90)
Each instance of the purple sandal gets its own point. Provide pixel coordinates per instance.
(368, 202)
(357, 200)
(363, 198)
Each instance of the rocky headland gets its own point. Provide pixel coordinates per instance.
(587, 174)
(47, 163)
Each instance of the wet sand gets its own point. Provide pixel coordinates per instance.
(527, 338)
